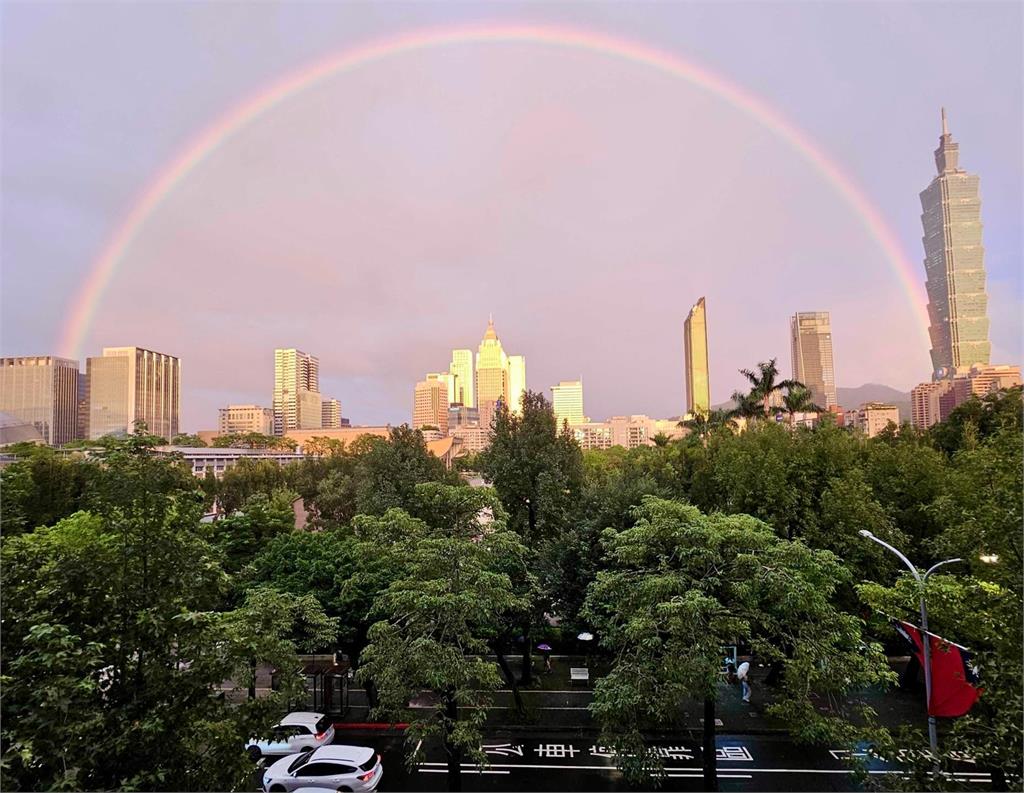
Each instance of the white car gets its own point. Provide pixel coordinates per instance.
(354, 769)
(296, 732)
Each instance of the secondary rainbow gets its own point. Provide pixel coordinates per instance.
(82, 311)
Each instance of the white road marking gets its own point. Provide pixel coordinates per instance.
(464, 771)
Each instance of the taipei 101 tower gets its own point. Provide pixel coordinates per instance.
(954, 263)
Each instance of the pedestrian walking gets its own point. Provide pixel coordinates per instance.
(743, 675)
(545, 650)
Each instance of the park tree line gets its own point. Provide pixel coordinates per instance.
(123, 612)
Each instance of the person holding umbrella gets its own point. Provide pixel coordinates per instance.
(545, 651)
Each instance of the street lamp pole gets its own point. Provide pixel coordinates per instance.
(933, 736)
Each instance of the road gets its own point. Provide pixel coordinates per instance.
(563, 761)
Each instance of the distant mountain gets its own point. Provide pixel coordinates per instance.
(851, 398)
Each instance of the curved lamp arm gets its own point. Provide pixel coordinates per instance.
(904, 559)
(935, 567)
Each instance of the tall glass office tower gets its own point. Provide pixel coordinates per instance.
(954, 263)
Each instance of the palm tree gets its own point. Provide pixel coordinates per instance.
(764, 386)
(703, 423)
(798, 400)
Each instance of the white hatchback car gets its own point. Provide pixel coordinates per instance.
(296, 732)
(343, 768)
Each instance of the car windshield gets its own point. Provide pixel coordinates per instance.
(302, 758)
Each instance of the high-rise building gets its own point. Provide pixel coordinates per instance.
(295, 372)
(331, 415)
(811, 338)
(567, 403)
(461, 368)
(695, 349)
(954, 263)
(243, 419)
(310, 412)
(430, 405)
(130, 384)
(42, 391)
(516, 382)
(448, 380)
(462, 416)
(491, 375)
(82, 430)
(933, 402)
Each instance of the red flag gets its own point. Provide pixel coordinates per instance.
(954, 681)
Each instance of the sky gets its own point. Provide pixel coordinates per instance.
(376, 218)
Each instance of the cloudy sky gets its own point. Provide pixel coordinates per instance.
(377, 217)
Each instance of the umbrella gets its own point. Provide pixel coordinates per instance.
(586, 637)
(544, 648)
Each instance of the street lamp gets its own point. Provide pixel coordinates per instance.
(933, 737)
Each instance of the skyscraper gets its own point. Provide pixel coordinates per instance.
(295, 372)
(811, 337)
(954, 263)
(516, 382)
(491, 374)
(461, 369)
(448, 380)
(42, 391)
(567, 403)
(129, 384)
(695, 348)
(430, 405)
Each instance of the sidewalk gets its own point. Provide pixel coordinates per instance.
(553, 702)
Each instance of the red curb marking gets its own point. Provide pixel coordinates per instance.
(369, 725)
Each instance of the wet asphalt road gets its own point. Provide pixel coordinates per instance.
(563, 761)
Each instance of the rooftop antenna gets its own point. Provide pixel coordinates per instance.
(945, 128)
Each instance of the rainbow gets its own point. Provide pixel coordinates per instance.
(81, 313)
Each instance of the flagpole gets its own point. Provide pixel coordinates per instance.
(933, 734)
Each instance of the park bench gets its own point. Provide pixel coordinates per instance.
(579, 674)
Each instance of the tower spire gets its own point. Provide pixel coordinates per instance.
(945, 126)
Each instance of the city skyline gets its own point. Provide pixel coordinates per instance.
(591, 286)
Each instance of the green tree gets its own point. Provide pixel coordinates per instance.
(114, 651)
(680, 585)
(764, 385)
(244, 533)
(978, 419)
(183, 439)
(439, 615)
(538, 475)
(798, 399)
(705, 422)
(41, 488)
(387, 471)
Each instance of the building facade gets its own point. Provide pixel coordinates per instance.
(243, 419)
(695, 350)
(954, 263)
(811, 347)
(331, 416)
(567, 403)
(463, 383)
(130, 384)
(430, 406)
(42, 390)
(873, 417)
(932, 402)
(294, 372)
(516, 382)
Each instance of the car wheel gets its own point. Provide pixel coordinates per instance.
(278, 789)
(307, 748)
(344, 789)
(254, 753)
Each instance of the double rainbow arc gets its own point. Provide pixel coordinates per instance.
(103, 270)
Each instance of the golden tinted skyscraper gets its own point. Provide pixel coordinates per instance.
(954, 263)
(296, 374)
(129, 384)
(42, 391)
(811, 338)
(695, 347)
(461, 368)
